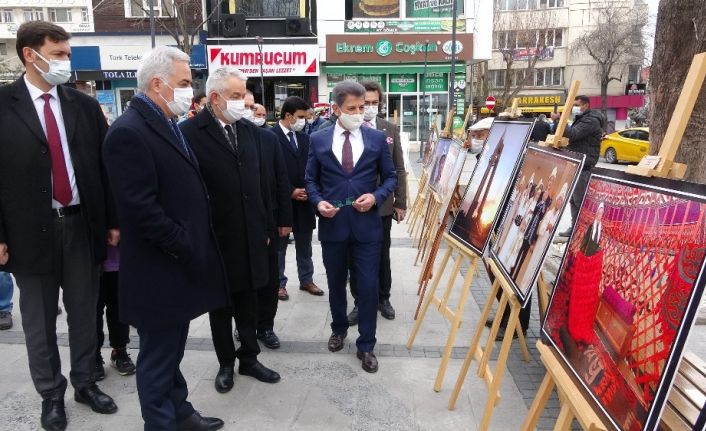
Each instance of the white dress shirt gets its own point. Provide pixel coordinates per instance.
(356, 138)
(286, 133)
(36, 95)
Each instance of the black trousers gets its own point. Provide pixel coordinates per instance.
(524, 312)
(77, 275)
(118, 332)
(577, 195)
(267, 299)
(385, 272)
(244, 311)
(160, 385)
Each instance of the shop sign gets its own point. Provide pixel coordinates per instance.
(435, 82)
(345, 48)
(541, 100)
(334, 78)
(406, 83)
(122, 57)
(103, 75)
(460, 93)
(635, 89)
(277, 60)
(524, 54)
(432, 8)
(404, 26)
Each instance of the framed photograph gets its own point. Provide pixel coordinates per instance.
(450, 174)
(628, 290)
(537, 200)
(490, 182)
(437, 166)
(429, 148)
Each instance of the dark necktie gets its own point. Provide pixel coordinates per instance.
(61, 185)
(347, 156)
(292, 142)
(231, 138)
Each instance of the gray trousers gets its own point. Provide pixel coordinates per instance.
(77, 276)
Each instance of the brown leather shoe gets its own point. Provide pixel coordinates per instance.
(335, 341)
(282, 294)
(370, 362)
(311, 288)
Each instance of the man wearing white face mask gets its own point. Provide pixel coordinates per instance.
(171, 268)
(56, 215)
(349, 174)
(259, 116)
(228, 150)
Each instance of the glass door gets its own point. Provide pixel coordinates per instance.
(409, 116)
(437, 106)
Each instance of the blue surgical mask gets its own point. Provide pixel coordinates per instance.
(59, 70)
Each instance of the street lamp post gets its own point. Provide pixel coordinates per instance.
(425, 106)
(260, 40)
(452, 74)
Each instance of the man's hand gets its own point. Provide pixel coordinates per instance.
(4, 255)
(284, 230)
(364, 203)
(114, 237)
(326, 209)
(299, 195)
(555, 115)
(400, 214)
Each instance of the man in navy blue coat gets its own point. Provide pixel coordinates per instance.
(348, 174)
(171, 270)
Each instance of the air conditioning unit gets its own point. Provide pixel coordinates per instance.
(233, 25)
(297, 27)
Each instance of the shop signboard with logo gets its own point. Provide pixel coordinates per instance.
(523, 54)
(432, 8)
(635, 89)
(541, 100)
(277, 60)
(404, 26)
(406, 83)
(372, 48)
(121, 57)
(435, 82)
(334, 78)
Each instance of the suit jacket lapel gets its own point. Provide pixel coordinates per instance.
(213, 127)
(284, 139)
(70, 113)
(329, 150)
(24, 107)
(159, 125)
(365, 136)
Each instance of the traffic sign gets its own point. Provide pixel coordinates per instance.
(490, 103)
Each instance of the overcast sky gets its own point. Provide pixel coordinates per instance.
(650, 31)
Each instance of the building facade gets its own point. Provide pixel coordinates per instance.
(556, 25)
(406, 46)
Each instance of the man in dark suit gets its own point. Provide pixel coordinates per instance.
(295, 146)
(170, 269)
(348, 175)
(229, 156)
(395, 207)
(56, 215)
(259, 116)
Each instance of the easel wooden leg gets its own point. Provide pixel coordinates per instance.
(566, 417)
(494, 329)
(427, 300)
(523, 343)
(458, 314)
(539, 403)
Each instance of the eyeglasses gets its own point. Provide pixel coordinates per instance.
(341, 204)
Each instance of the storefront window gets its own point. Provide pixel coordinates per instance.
(269, 8)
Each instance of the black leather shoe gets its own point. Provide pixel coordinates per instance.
(53, 414)
(269, 339)
(386, 310)
(353, 316)
(565, 234)
(260, 372)
(335, 342)
(196, 422)
(370, 362)
(96, 399)
(501, 334)
(489, 322)
(224, 379)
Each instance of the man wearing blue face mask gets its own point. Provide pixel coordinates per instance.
(56, 215)
(231, 159)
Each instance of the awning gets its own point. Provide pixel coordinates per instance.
(390, 68)
(542, 109)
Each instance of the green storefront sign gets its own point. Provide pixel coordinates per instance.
(403, 83)
(434, 82)
(432, 8)
(404, 26)
(335, 78)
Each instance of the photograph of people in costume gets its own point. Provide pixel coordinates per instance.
(537, 200)
(442, 150)
(489, 184)
(626, 293)
(430, 148)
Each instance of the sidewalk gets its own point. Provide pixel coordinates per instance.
(319, 390)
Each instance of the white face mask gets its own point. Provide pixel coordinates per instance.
(258, 121)
(248, 114)
(182, 100)
(59, 70)
(298, 126)
(371, 111)
(310, 121)
(575, 111)
(476, 146)
(235, 110)
(351, 122)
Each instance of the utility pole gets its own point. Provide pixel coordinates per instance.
(425, 105)
(260, 41)
(152, 22)
(452, 74)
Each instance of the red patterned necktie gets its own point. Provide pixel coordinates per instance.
(347, 156)
(62, 186)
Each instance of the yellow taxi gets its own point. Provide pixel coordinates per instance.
(627, 145)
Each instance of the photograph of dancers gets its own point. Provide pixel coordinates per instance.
(628, 290)
(442, 150)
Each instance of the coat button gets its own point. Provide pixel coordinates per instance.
(44, 229)
(245, 196)
(44, 150)
(43, 189)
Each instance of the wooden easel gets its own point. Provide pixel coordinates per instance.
(573, 402)
(557, 140)
(430, 226)
(418, 205)
(492, 378)
(452, 315)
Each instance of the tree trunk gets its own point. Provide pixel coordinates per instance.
(604, 99)
(680, 34)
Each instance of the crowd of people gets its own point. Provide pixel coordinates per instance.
(154, 221)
